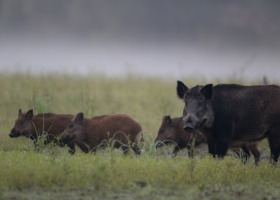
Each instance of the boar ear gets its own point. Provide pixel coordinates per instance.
(29, 114)
(207, 91)
(19, 112)
(181, 89)
(167, 119)
(79, 117)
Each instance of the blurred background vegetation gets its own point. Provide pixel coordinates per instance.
(210, 39)
(231, 21)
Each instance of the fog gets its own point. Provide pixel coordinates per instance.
(181, 45)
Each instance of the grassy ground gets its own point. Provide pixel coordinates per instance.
(52, 173)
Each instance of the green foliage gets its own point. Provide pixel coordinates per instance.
(109, 171)
(146, 100)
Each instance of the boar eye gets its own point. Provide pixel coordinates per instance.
(70, 126)
(21, 123)
(161, 130)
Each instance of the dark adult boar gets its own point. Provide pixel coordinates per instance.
(233, 113)
(34, 126)
(120, 129)
(172, 131)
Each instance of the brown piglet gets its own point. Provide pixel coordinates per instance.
(171, 132)
(47, 125)
(119, 130)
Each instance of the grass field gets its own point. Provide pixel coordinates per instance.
(52, 173)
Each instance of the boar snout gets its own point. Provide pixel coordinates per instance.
(189, 127)
(65, 138)
(190, 122)
(14, 133)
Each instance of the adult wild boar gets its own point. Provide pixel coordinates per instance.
(48, 125)
(172, 131)
(119, 130)
(233, 113)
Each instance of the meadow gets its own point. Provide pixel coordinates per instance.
(52, 173)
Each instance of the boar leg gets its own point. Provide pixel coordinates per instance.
(175, 151)
(125, 149)
(36, 145)
(211, 146)
(254, 150)
(247, 148)
(83, 147)
(71, 147)
(246, 153)
(136, 149)
(274, 149)
(221, 148)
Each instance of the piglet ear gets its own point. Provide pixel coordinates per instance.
(29, 114)
(79, 117)
(19, 112)
(207, 91)
(167, 119)
(181, 89)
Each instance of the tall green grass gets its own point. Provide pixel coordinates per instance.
(111, 170)
(146, 100)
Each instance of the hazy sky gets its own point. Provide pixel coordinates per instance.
(158, 38)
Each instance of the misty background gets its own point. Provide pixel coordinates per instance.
(211, 39)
